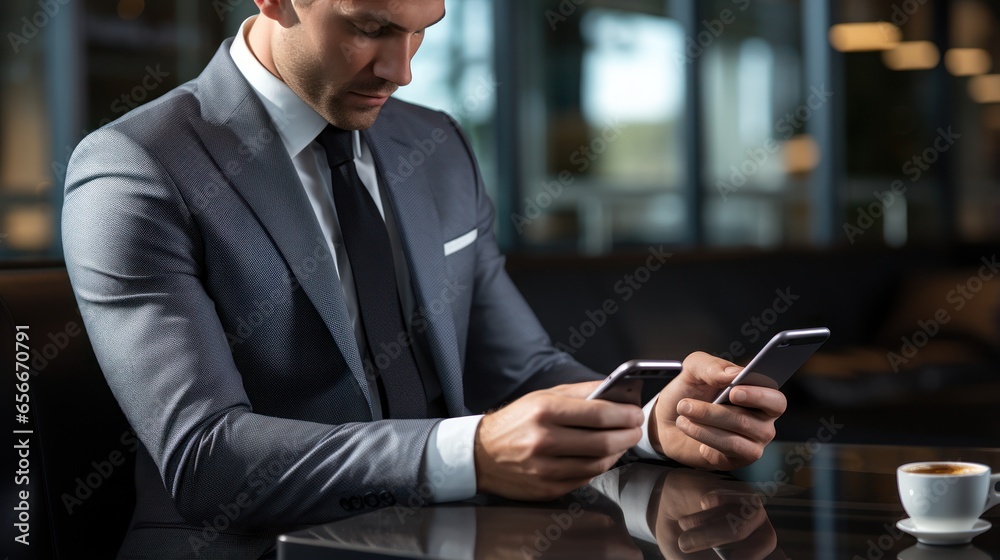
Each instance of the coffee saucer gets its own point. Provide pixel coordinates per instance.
(944, 537)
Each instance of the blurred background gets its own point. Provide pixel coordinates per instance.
(804, 163)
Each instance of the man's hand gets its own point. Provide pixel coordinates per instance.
(550, 442)
(685, 426)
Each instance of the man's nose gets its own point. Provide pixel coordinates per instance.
(393, 62)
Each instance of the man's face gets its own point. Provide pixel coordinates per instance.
(346, 57)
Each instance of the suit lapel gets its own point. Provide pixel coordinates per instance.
(420, 230)
(244, 143)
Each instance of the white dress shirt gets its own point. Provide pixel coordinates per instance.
(448, 459)
(449, 464)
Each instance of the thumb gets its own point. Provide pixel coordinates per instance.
(719, 376)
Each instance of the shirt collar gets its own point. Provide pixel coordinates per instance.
(297, 123)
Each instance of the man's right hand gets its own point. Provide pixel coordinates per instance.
(550, 442)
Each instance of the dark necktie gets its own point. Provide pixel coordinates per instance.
(368, 248)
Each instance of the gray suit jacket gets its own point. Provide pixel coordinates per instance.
(216, 314)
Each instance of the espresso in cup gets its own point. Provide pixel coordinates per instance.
(945, 468)
(946, 496)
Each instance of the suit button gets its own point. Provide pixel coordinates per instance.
(346, 504)
(387, 498)
(371, 500)
(355, 502)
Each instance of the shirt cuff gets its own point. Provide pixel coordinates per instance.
(644, 449)
(449, 463)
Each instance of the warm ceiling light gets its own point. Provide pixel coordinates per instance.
(855, 37)
(985, 89)
(912, 55)
(967, 62)
(801, 154)
(28, 228)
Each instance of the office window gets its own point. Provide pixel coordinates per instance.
(923, 116)
(581, 114)
(26, 216)
(759, 155)
(600, 127)
(453, 72)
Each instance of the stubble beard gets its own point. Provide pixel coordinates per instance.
(311, 84)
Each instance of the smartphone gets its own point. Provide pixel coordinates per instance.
(781, 357)
(637, 381)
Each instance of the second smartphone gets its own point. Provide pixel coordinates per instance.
(636, 381)
(781, 357)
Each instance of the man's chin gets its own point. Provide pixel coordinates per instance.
(355, 119)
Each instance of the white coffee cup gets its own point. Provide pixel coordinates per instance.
(946, 496)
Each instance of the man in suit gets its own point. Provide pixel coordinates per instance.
(300, 327)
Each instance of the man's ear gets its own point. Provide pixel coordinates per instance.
(281, 11)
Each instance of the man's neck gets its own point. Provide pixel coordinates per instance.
(258, 38)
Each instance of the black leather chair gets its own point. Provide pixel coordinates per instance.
(82, 451)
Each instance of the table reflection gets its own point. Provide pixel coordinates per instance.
(630, 513)
(801, 500)
(695, 514)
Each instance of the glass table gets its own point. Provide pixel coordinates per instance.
(800, 500)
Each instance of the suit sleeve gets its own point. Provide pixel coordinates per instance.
(509, 354)
(135, 261)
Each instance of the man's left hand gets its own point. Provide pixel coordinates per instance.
(685, 426)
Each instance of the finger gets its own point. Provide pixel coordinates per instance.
(580, 413)
(769, 401)
(710, 370)
(745, 422)
(731, 445)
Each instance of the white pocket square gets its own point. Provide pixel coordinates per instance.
(460, 242)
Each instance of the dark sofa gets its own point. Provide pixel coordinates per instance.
(874, 302)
